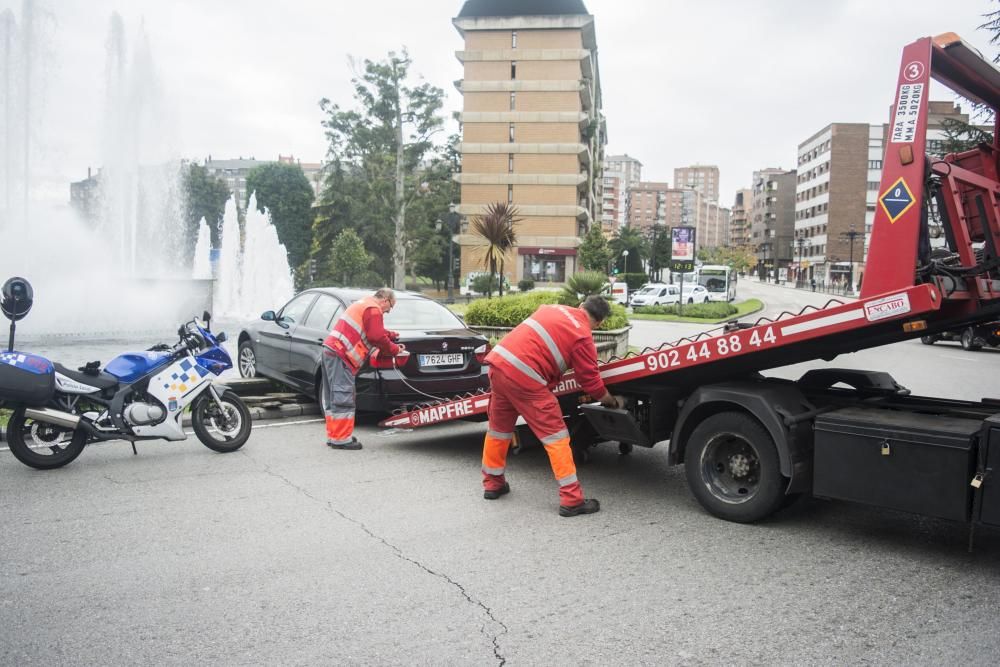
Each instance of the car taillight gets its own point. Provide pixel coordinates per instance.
(378, 361)
(481, 353)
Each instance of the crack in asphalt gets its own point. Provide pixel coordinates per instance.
(494, 638)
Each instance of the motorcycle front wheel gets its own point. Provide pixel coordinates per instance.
(43, 445)
(221, 430)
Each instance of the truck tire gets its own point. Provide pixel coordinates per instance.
(732, 468)
(969, 341)
(928, 340)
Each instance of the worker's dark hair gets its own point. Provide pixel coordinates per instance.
(597, 306)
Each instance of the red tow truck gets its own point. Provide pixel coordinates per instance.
(751, 443)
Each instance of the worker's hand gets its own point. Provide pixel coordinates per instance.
(610, 401)
(400, 347)
(393, 335)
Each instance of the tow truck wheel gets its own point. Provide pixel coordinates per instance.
(732, 468)
(969, 341)
(928, 340)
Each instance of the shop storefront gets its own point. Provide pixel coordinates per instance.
(546, 265)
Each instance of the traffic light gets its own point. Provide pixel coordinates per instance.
(614, 271)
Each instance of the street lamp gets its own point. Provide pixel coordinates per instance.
(801, 242)
(453, 219)
(851, 236)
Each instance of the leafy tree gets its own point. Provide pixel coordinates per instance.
(594, 253)
(961, 136)
(284, 191)
(348, 258)
(387, 141)
(495, 228)
(205, 196)
(629, 238)
(660, 246)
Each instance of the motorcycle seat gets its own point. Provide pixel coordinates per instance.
(102, 380)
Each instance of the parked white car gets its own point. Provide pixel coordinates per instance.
(696, 294)
(656, 294)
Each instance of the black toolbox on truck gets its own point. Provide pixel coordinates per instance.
(902, 460)
(26, 379)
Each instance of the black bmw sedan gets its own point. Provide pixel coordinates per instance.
(446, 358)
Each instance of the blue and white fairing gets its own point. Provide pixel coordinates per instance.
(133, 366)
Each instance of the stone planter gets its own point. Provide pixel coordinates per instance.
(613, 342)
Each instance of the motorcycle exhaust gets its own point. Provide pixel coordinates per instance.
(50, 416)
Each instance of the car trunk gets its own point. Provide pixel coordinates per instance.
(439, 353)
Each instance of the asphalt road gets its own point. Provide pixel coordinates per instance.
(287, 552)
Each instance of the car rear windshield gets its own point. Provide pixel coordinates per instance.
(420, 314)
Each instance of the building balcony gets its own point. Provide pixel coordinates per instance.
(534, 210)
(581, 150)
(466, 178)
(579, 117)
(526, 55)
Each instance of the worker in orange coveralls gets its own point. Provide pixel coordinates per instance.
(358, 331)
(529, 360)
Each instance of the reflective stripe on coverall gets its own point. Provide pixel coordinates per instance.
(530, 358)
(347, 348)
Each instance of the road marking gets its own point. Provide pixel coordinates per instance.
(191, 433)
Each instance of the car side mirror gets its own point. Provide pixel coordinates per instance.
(268, 316)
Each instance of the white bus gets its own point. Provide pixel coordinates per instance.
(720, 281)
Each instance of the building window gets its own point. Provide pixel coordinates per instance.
(513, 69)
(873, 185)
(510, 133)
(510, 194)
(513, 99)
(513, 39)
(510, 163)
(874, 164)
(545, 268)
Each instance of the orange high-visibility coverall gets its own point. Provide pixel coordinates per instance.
(523, 366)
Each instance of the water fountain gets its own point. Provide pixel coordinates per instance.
(126, 270)
(202, 269)
(252, 276)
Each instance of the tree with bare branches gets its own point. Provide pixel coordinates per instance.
(495, 229)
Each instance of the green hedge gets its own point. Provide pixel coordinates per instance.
(710, 311)
(509, 311)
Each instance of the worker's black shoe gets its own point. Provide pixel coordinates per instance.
(588, 506)
(353, 444)
(493, 495)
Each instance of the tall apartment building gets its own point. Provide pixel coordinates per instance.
(840, 173)
(712, 224)
(612, 201)
(234, 173)
(772, 218)
(628, 171)
(312, 170)
(533, 133)
(834, 167)
(739, 223)
(681, 207)
(647, 205)
(701, 177)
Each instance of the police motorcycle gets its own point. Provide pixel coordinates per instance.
(136, 396)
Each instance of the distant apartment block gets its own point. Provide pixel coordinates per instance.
(84, 197)
(772, 218)
(701, 177)
(739, 224)
(628, 171)
(647, 205)
(312, 170)
(533, 134)
(612, 201)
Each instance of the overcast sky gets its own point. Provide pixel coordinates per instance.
(736, 84)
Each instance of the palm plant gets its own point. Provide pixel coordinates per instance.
(495, 229)
(581, 285)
